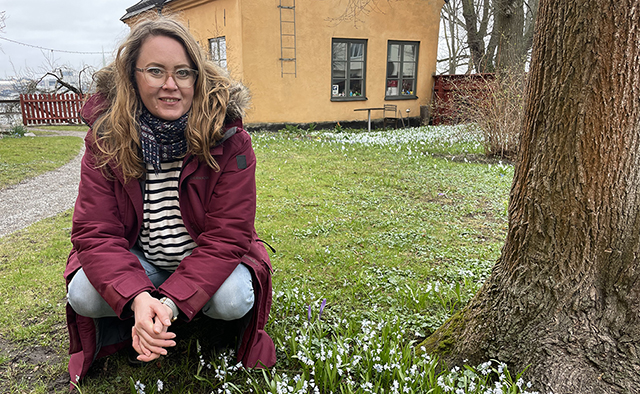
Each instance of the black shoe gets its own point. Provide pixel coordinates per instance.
(132, 358)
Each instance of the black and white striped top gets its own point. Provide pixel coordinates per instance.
(163, 237)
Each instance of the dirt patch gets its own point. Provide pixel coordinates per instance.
(472, 158)
(31, 366)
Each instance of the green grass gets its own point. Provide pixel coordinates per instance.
(395, 230)
(26, 157)
(65, 128)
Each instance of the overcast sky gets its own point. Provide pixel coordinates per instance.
(61, 25)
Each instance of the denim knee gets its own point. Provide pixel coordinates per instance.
(234, 298)
(85, 300)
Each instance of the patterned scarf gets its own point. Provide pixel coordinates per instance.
(162, 140)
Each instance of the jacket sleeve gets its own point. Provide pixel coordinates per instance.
(103, 232)
(229, 215)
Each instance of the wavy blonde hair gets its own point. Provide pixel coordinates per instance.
(116, 131)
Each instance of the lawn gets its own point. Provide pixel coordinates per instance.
(379, 238)
(27, 157)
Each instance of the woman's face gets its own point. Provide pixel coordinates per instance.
(168, 102)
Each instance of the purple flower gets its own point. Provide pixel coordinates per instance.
(324, 303)
(309, 314)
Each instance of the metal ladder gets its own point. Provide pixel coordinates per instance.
(288, 65)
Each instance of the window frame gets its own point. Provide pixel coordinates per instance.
(217, 58)
(347, 79)
(400, 78)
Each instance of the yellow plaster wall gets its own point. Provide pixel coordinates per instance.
(210, 19)
(307, 97)
(252, 31)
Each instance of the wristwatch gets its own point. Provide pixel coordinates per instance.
(169, 302)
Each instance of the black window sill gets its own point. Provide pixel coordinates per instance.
(407, 97)
(357, 98)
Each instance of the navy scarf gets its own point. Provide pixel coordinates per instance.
(162, 140)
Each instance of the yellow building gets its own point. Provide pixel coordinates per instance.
(317, 61)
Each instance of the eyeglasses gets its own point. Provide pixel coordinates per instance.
(156, 77)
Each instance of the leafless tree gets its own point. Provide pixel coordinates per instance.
(489, 35)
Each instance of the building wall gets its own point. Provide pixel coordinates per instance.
(208, 19)
(252, 31)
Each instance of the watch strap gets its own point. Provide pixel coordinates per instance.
(169, 302)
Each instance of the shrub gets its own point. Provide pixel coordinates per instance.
(495, 103)
(500, 114)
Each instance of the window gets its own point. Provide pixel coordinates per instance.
(218, 47)
(348, 65)
(402, 67)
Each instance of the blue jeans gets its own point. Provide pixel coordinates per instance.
(233, 300)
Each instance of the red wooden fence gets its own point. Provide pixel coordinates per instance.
(453, 92)
(51, 108)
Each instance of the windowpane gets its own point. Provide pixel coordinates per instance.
(409, 53)
(392, 69)
(339, 51)
(338, 88)
(392, 87)
(394, 53)
(408, 87)
(355, 70)
(339, 69)
(355, 88)
(223, 49)
(357, 52)
(408, 70)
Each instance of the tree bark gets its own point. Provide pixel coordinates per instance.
(474, 39)
(564, 297)
(508, 32)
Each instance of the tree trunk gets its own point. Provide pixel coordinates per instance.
(564, 296)
(508, 33)
(474, 39)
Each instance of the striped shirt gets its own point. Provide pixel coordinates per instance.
(163, 237)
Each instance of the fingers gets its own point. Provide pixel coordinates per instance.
(152, 342)
(158, 327)
(138, 345)
(163, 313)
(150, 347)
(150, 335)
(146, 359)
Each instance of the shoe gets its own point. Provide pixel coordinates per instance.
(132, 358)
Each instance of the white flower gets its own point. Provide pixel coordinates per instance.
(160, 385)
(139, 387)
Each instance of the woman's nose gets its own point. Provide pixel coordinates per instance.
(170, 85)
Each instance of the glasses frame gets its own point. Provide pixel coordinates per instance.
(178, 82)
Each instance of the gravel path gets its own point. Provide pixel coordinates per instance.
(43, 196)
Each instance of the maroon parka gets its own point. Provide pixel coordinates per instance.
(218, 209)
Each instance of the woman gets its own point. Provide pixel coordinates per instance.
(163, 227)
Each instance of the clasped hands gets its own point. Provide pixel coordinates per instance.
(149, 333)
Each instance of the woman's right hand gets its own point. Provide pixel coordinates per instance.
(149, 333)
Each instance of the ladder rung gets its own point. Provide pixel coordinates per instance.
(292, 59)
(287, 8)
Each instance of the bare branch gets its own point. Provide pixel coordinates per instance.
(355, 11)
